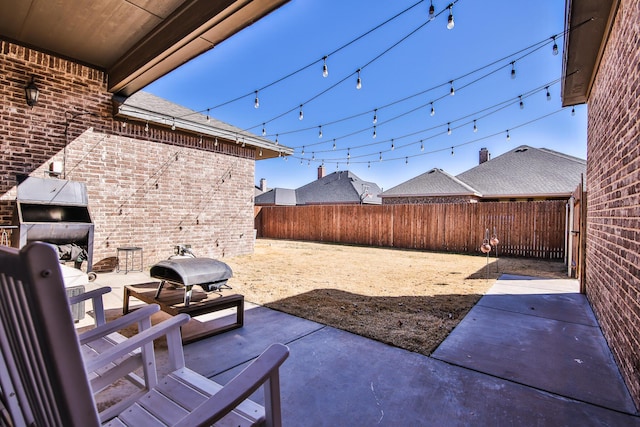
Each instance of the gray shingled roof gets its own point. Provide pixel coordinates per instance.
(277, 196)
(339, 187)
(522, 172)
(526, 172)
(435, 182)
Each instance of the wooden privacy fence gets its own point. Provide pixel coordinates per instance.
(525, 229)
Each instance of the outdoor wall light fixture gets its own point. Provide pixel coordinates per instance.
(31, 93)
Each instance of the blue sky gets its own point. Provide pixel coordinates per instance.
(405, 65)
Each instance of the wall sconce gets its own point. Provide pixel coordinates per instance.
(31, 93)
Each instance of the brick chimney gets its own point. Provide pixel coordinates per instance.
(321, 171)
(263, 185)
(485, 156)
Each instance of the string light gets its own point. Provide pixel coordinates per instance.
(369, 165)
(421, 145)
(256, 103)
(548, 94)
(393, 147)
(452, 153)
(301, 114)
(508, 136)
(237, 139)
(375, 134)
(513, 70)
(313, 156)
(208, 116)
(302, 153)
(348, 153)
(433, 110)
(449, 128)
(573, 111)
(260, 152)
(375, 116)
(124, 124)
(521, 102)
(554, 49)
(359, 81)
(334, 143)
(146, 127)
(450, 23)
(243, 144)
(264, 130)
(277, 139)
(406, 160)
(452, 90)
(381, 156)
(325, 70)
(200, 140)
(320, 131)
(475, 127)
(432, 12)
(215, 142)
(173, 124)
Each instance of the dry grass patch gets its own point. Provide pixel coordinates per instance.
(409, 299)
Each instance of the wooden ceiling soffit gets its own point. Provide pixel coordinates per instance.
(194, 28)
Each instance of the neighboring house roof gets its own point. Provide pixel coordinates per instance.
(522, 172)
(277, 196)
(336, 188)
(435, 182)
(339, 187)
(526, 172)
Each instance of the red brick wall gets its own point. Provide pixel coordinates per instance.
(613, 186)
(151, 189)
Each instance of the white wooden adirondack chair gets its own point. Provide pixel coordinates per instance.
(42, 381)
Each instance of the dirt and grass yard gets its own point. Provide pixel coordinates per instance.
(409, 299)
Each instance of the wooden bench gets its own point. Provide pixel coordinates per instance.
(171, 301)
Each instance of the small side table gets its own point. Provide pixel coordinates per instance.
(129, 252)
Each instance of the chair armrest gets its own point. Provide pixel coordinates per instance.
(96, 301)
(239, 388)
(167, 327)
(115, 325)
(94, 293)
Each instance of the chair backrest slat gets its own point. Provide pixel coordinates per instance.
(39, 345)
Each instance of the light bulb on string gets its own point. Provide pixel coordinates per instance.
(237, 139)
(173, 124)
(432, 12)
(548, 94)
(513, 70)
(325, 70)
(277, 139)
(215, 142)
(508, 136)
(369, 165)
(452, 153)
(406, 160)
(573, 111)
(475, 127)
(452, 90)
(320, 131)
(521, 102)
(381, 156)
(200, 140)
(433, 110)
(146, 127)
(334, 143)
(421, 145)
(208, 116)
(256, 102)
(337, 166)
(260, 154)
(359, 81)
(124, 124)
(313, 156)
(348, 153)
(375, 116)
(393, 147)
(301, 114)
(448, 128)
(243, 143)
(554, 49)
(302, 153)
(450, 23)
(374, 132)
(264, 130)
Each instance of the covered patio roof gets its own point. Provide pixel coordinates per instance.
(134, 41)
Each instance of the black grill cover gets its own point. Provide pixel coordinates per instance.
(192, 271)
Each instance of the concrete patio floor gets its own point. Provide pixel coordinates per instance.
(529, 353)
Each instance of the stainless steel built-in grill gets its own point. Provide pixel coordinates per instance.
(209, 274)
(53, 211)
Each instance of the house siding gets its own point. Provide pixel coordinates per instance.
(613, 186)
(153, 189)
